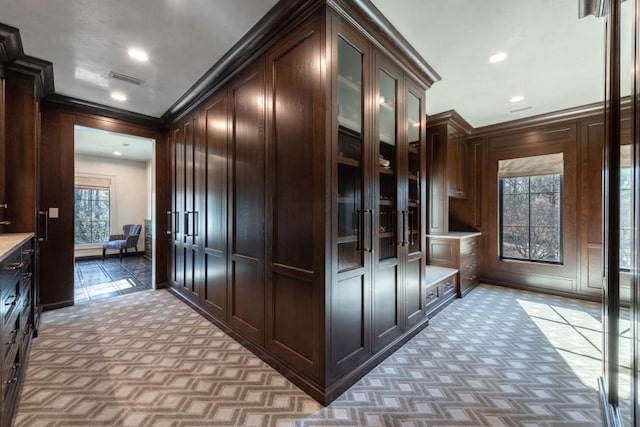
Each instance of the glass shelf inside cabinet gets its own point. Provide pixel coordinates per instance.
(349, 86)
(349, 158)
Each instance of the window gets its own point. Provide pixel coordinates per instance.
(625, 218)
(531, 218)
(92, 210)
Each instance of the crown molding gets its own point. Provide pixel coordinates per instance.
(13, 58)
(79, 105)
(285, 15)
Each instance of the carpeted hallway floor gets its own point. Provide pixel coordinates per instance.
(498, 357)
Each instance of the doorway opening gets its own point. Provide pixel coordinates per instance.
(114, 199)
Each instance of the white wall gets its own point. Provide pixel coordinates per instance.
(130, 193)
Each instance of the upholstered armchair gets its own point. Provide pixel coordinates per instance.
(128, 239)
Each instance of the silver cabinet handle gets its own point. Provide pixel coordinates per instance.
(14, 266)
(45, 215)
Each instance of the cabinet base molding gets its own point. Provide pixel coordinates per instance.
(55, 306)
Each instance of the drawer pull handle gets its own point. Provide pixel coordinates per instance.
(27, 275)
(448, 285)
(471, 278)
(14, 266)
(15, 368)
(13, 338)
(28, 252)
(14, 297)
(431, 296)
(27, 330)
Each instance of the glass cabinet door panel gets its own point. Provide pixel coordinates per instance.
(387, 164)
(350, 157)
(414, 130)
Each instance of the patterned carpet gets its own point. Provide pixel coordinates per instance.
(498, 357)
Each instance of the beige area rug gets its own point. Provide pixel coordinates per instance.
(498, 357)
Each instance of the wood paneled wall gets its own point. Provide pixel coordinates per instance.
(579, 135)
(57, 190)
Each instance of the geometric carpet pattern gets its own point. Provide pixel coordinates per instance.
(498, 357)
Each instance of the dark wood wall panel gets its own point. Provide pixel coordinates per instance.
(21, 153)
(247, 287)
(2, 149)
(57, 189)
(215, 206)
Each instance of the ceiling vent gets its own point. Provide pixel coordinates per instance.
(125, 78)
(521, 109)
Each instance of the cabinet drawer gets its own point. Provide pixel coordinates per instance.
(11, 338)
(448, 286)
(432, 296)
(10, 299)
(10, 376)
(468, 261)
(469, 245)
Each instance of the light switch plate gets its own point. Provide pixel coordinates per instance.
(54, 213)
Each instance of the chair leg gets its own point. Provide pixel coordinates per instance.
(103, 252)
(120, 254)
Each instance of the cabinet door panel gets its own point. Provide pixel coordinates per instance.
(386, 305)
(413, 291)
(348, 339)
(214, 292)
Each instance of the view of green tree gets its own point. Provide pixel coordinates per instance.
(92, 216)
(531, 220)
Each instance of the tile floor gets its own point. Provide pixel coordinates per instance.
(95, 279)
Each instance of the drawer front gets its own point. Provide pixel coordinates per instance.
(10, 271)
(448, 286)
(10, 299)
(468, 261)
(432, 296)
(11, 336)
(469, 245)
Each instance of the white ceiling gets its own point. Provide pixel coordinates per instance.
(102, 143)
(86, 39)
(555, 60)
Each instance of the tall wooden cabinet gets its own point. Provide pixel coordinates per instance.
(298, 210)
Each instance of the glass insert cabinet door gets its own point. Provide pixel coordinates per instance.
(388, 238)
(350, 157)
(414, 125)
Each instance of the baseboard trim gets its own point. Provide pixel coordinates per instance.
(324, 395)
(312, 389)
(57, 305)
(592, 298)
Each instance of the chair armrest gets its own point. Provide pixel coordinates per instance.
(116, 237)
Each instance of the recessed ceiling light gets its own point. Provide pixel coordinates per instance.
(118, 96)
(117, 153)
(498, 57)
(517, 98)
(138, 54)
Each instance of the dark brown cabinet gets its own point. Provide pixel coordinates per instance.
(448, 159)
(458, 251)
(298, 203)
(457, 165)
(17, 310)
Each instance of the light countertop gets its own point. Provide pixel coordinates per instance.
(10, 241)
(436, 274)
(456, 235)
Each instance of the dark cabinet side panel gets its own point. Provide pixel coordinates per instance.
(247, 206)
(295, 213)
(214, 292)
